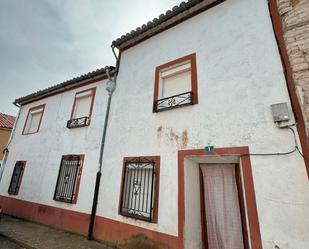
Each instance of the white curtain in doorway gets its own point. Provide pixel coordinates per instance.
(223, 218)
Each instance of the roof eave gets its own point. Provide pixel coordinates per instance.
(156, 26)
(67, 85)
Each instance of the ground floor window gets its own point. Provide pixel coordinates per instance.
(139, 193)
(223, 209)
(16, 177)
(68, 178)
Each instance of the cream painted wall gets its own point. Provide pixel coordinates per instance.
(4, 139)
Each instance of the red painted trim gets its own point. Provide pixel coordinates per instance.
(52, 216)
(93, 92)
(105, 229)
(192, 59)
(301, 128)
(253, 221)
(156, 159)
(65, 89)
(79, 174)
(240, 188)
(20, 178)
(31, 109)
(110, 230)
(203, 214)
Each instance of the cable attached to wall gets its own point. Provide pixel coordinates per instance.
(296, 148)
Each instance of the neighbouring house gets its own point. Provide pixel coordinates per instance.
(6, 126)
(205, 143)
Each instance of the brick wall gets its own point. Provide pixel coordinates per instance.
(295, 20)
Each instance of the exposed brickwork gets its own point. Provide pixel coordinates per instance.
(295, 20)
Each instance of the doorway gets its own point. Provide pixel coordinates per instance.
(222, 206)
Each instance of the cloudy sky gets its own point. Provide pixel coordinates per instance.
(45, 42)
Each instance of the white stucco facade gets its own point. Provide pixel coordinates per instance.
(239, 74)
(43, 150)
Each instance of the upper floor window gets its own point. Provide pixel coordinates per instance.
(140, 188)
(175, 84)
(34, 118)
(69, 178)
(82, 108)
(16, 177)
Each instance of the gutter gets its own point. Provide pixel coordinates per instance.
(110, 87)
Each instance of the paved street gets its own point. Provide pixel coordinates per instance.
(34, 236)
(7, 244)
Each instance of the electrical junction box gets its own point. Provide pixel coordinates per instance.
(280, 112)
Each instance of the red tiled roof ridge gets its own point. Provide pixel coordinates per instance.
(6, 121)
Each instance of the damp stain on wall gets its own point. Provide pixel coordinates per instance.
(180, 139)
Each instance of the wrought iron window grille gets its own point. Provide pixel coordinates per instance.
(174, 101)
(78, 122)
(138, 189)
(67, 177)
(16, 178)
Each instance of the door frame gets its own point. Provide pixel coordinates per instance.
(254, 235)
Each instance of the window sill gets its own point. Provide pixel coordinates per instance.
(132, 216)
(78, 122)
(14, 194)
(172, 102)
(30, 133)
(64, 200)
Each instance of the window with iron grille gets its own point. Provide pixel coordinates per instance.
(68, 178)
(16, 177)
(139, 188)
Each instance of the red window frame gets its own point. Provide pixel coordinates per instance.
(23, 165)
(194, 89)
(30, 110)
(156, 160)
(77, 180)
(93, 90)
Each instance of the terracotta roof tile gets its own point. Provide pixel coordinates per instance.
(6, 121)
(171, 17)
(71, 82)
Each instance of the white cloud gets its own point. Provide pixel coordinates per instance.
(43, 43)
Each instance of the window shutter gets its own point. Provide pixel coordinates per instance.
(34, 122)
(82, 106)
(176, 84)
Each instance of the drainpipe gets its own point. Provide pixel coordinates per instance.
(7, 147)
(110, 88)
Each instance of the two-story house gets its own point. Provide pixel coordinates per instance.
(202, 148)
